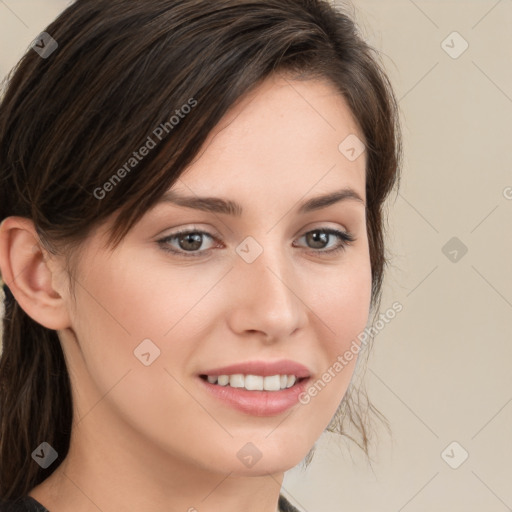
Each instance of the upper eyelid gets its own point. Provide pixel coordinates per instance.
(192, 229)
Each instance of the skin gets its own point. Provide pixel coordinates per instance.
(149, 437)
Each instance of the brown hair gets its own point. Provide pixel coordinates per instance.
(68, 122)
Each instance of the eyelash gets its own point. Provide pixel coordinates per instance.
(345, 240)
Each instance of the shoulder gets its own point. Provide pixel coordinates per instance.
(25, 504)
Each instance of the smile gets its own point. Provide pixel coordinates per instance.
(253, 382)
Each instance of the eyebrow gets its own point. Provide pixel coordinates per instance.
(228, 207)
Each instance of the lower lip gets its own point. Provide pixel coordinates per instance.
(257, 403)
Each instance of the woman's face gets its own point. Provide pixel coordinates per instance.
(260, 288)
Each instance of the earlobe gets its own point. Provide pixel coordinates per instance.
(26, 270)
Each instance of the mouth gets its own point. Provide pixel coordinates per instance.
(257, 388)
(255, 382)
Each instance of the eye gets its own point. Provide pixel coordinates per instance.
(189, 243)
(186, 243)
(319, 239)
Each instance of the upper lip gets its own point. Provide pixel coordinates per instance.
(263, 368)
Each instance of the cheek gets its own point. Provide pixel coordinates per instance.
(340, 296)
(132, 300)
(342, 303)
(128, 309)
(353, 308)
(138, 313)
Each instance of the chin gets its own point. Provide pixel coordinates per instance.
(264, 457)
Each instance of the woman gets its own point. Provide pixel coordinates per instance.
(192, 205)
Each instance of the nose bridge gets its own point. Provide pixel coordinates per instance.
(269, 301)
(273, 267)
(272, 277)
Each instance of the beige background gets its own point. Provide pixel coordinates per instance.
(440, 371)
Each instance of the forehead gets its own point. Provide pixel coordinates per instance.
(284, 133)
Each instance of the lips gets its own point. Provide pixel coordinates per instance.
(257, 402)
(263, 368)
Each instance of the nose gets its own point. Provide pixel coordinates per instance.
(268, 298)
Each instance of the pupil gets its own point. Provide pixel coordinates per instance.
(318, 236)
(195, 239)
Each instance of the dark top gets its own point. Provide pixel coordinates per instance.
(29, 504)
(26, 504)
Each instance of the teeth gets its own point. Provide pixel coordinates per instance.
(236, 381)
(272, 383)
(223, 380)
(291, 381)
(254, 382)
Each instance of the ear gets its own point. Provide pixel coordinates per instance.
(31, 275)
